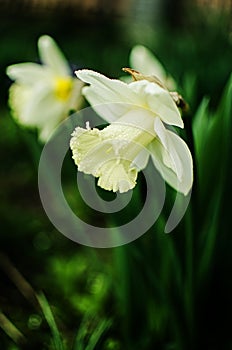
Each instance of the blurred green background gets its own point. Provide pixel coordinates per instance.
(131, 297)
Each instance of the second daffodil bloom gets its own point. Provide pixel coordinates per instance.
(138, 113)
(43, 94)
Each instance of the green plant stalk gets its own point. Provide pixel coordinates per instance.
(56, 338)
(189, 285)
(189, 280)
(160, 287)
(222, 124)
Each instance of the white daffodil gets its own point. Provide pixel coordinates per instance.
(139, 113)
(143, 60)
(43, 94)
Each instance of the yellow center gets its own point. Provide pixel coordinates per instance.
(63, 88)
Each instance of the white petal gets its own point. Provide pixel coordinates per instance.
(52, 56)
(111, 89)
(140, 162)
(19, 96)
(140, 93)
(76, 100)
(145, 62)
(141, 118)
(151, 96)
(47, 129)
(28, 73)
(161, 103)
(114, 88)
(35, 108)
(177, 150)
(110, 111)
(161, 131)
(43, 110)
(110, 98)
(139, 88)
(170, 157)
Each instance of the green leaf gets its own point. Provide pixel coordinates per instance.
(56, 338)
(212, 142)
(214, 155)
(200, 126)
(90, 333)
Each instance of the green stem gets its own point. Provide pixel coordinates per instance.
(189, 282)
(189, 249)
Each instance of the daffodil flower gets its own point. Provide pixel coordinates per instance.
(43, 94)
(143, 60)
(138, 113)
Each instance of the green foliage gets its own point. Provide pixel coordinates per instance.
(56, 338)
(90, 332)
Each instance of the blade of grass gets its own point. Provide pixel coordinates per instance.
(57, 341)
(200, 126)
(10, 329)
(94, 338)
(208, 240)
(211, 223)
(18, 279)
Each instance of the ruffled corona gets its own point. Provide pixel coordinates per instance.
(110, 154)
